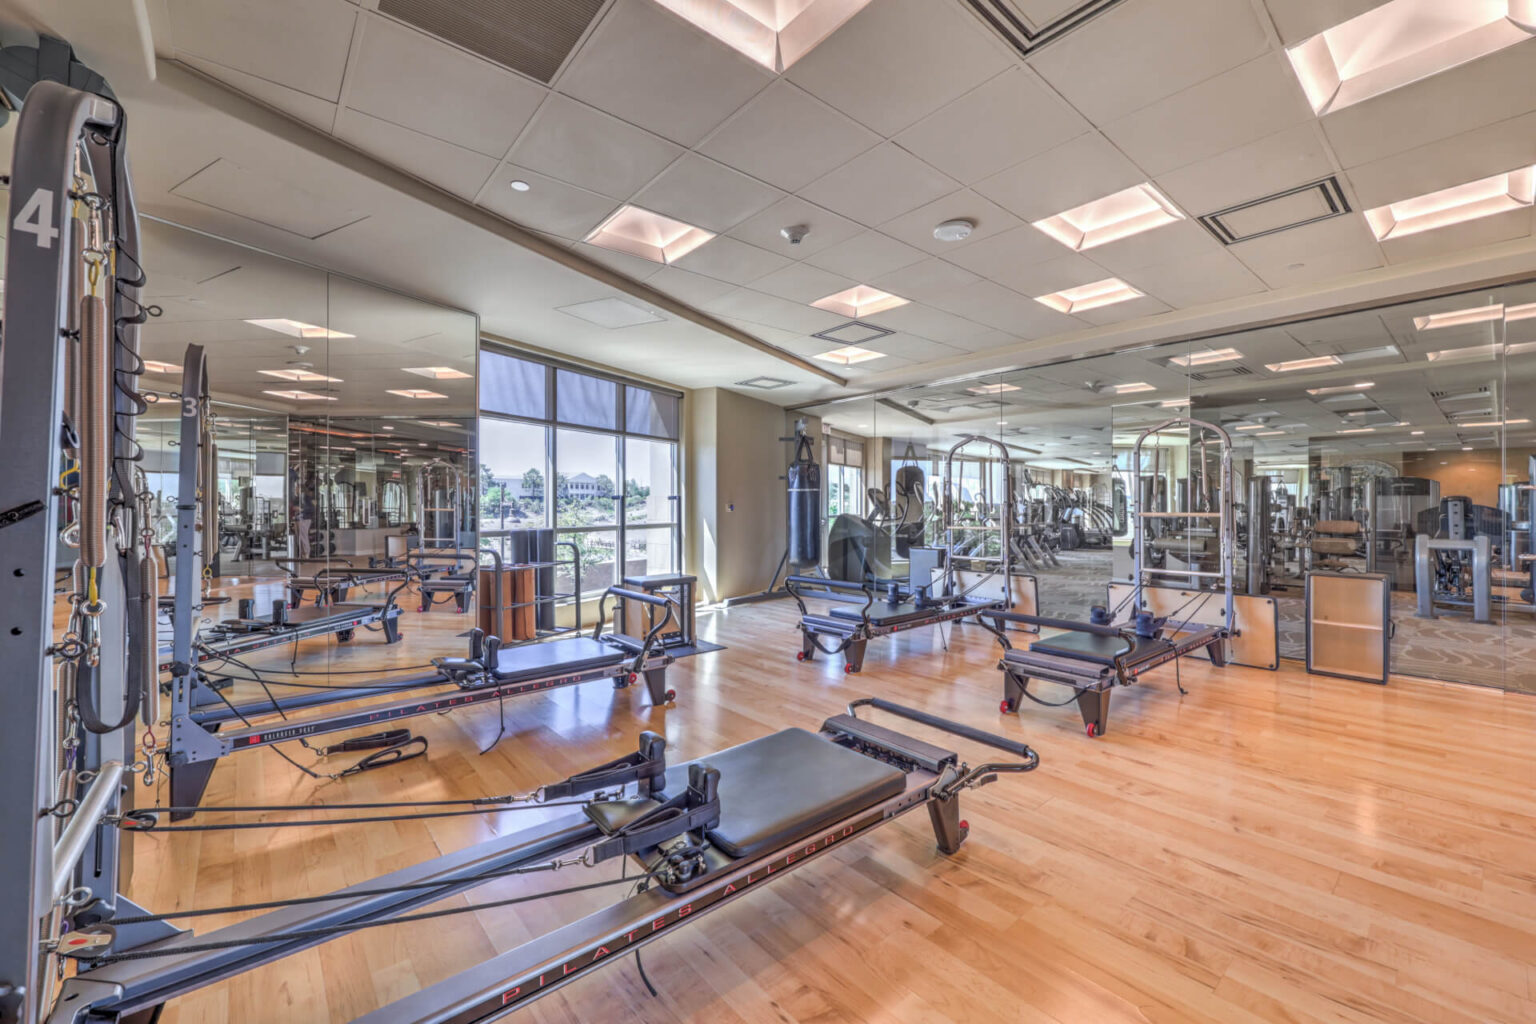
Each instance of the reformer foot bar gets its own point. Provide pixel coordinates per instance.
(703, 833)
(1092, 659)
(852, 628)
(491, 673)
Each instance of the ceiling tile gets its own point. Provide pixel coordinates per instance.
(1483, 231)
(929, 322)
(261, 196)
(975, 137)
(1137, 53)
(696, 190)
(1182, 240)
(910, 346)
(899, 60)
(1198, 280)
(1052, 275)
(729, 260)
(310, 109)
(1300, 20)
(445, 165)
(630, 266)
(686, 286)
(1453, 161)
(788, 138)
(920, 281)
(1232, 109)
(989, 303)
(651, 68)
(772, 311)
(801, 282)
(1316, 252)
(1487, 90)
(998, 255)
(826, 228)
(866, 256)
(588, 148)
(884, 182)
(549, 205)
(261, 40)
(1080, 171)
(411, 79)
(1286, 159)
(1123, 311)
(916, 228)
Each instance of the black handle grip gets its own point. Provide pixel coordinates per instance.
(636, 595)
(1050, 623)
(817, 581)
(970, 732)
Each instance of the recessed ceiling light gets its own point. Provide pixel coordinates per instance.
(519, 185)
(1358, 430)
(1498, 193)
(437, 423)
(1416, 433)
(414, 393)
(1269, 433)
(437, 372)
(386, 427)
(1458, 318)
(1314, 363)
(1362, 354)
(1206, 358)
(301, 376)
(1465, 448)
(300, 396)
(1173, 403)
(650, 236)
(297, 328)
(1341, 388)
(991, 389)
(1128, 212)
(1496, 423)
(774, 33)
(1525, 312)
(1470, 353)
(1089, 296)
(1127, 389)
(1249, 426)
(860, 300)
(954, 230)
(1401, 42)
(848, 355)
(156, 366)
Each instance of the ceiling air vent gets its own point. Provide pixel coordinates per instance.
(1222, 374)
(854, 332)
(1024, 26)
(766, 383)
(1293, 208)
(529, 36)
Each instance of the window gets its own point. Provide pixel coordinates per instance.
(558, 464)
(845, 491)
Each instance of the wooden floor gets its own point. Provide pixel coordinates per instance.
(1272, 847)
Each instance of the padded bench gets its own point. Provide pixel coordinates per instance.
(1090, 647)
(570, 655)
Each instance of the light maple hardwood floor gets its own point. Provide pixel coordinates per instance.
(1273, 847)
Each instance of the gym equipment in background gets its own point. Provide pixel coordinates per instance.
(702, 834)
(1457, 554)
(1094, 657)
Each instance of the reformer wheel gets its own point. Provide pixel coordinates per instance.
(848, 669)
(632, 678)
(799, 655)
(671, 696)
(1092, 729)
(1007, 707)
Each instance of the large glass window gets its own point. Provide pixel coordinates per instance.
(535, 474)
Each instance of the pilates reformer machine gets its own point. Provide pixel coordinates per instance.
(1094, 657)
(206, 725)
(449, 575)
(701, 834)
(932, 595)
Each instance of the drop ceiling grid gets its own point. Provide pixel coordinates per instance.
(1062, 87)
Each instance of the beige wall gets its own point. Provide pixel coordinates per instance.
(736, 518)
(1474, 474)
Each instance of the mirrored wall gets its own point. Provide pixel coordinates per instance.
(1397, 441)
(344, 419)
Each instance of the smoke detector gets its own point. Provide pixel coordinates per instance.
(954, 230)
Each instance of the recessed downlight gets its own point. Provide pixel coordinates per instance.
(518, 185)
(859, 301)
(848, 355)
(650, 236)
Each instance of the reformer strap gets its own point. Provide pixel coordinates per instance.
(407, 749)
(647, 767)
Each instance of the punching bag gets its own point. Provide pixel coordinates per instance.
(804, 507)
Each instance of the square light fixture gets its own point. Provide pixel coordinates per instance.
(1496, 423)
(1497, 193)
(1173, 403)
(1362, 354)
(860, 300)
(438, 423)
(1458, 317)
(774, 33)
(1525, 312)
(650, 236)
(156, 366)
(1269, 433)
(300, 396)
(1135, 388)
(1401, 42)
(848, 355)
(1315, 363)
(1249, 426)
(1339, 389)
(1127, 212)
(1206, 358)
(414, 393)
(1469, 354)
(1358, 430)
(437, 372)
(991, 389)
(1089, 296)
(297, 328)
(301, 376)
